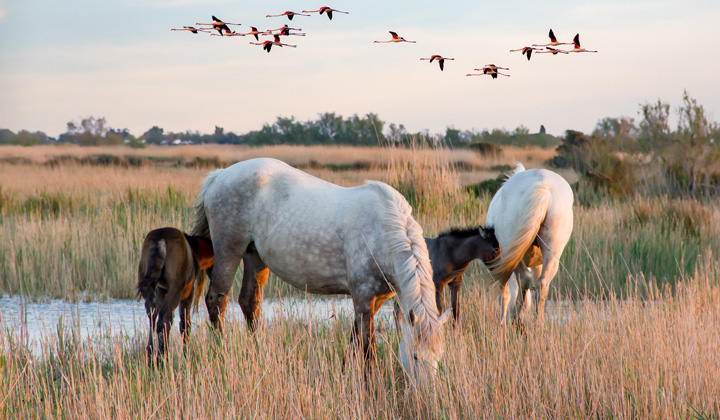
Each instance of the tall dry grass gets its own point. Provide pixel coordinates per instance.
(593, 359)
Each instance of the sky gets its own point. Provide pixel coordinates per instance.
(62, 61)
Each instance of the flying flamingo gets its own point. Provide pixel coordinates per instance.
(328, 11)
(280, 44)
(395, 38)
(490, 70)
(285, 31)
(219, 25)
(527, 51)
(266, 45)
(577, 48)
(189, 28)
(290, 15)
(440, 59)
(553, 41)
(551, 50)
(253, 31)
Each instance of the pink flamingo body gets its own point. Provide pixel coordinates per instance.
(526, 51)
(395, 38)
(327, 10)
(490, 70)
(290, 15)
(285, 31)
(220, 26)
(553, 41)
(189, 29)
(440, 59)
(577, 49)
(553, 51)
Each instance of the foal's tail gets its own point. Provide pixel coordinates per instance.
(155, 263)
(536, 203)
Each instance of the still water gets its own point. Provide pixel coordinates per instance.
(35, 321)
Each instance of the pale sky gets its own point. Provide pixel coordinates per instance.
(65, 60)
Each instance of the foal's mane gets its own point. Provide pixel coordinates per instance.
(464, 233)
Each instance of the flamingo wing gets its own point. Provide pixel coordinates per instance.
(552, 36)
(576, 41)
(394, 35)
(329, 13)
(442, 64)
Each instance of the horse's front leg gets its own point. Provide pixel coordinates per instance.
(221, 278)
(255, 277)
(363, 335)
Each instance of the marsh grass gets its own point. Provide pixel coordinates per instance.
(74, 231)
(629, 358)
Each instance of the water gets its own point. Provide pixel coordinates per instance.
(36, 322)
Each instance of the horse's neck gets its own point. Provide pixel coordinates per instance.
(462, 251)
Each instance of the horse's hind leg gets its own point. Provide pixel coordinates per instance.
(550, 268)
(167, 304)
(185, 304)
(151, 311)
(255, 276)
(455, 297)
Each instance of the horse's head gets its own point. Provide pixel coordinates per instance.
(489, 246)
(421, 345)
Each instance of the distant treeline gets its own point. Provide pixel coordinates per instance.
(328, 129)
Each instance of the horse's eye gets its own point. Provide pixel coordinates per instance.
(415, 357)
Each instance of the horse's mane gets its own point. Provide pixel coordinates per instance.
(413, 276)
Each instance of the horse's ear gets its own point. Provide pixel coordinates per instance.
(483, 232)
(445, 317)
(411, 317)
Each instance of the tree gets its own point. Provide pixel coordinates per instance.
(155, 135)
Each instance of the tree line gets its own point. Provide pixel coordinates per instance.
(328, 129)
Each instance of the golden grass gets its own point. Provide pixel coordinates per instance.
(614, 359)
(72, 230)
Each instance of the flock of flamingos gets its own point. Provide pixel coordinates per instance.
(223, 29)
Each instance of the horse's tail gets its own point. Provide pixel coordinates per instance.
(155, 264)
(200, 282)
(200, 222)
(536, 202)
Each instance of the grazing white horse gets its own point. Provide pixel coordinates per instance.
(533, 218)
(324, 239)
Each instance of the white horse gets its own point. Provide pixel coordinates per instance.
(323, 239)
(533, 219)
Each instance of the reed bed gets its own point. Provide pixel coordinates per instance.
(632, 332)
(629, 358)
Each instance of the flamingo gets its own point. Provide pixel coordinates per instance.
(327, 10)
(395, 38)
(290, 15)
(190, 29)
(527, 51)
(285, 30)
(219, 25)
(553, 41)
(280, 44)
(253, 31)
(266, 45)
(577, 49)
(490, 70)
(440, 59)
(551, 50)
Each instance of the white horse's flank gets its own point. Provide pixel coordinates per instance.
(531, 213)
(324, 239)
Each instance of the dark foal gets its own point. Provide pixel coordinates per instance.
(170, 264)
(450, 255)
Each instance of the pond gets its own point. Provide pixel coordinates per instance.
(35, 321)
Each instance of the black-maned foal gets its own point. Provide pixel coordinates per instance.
(450, 255)
(171, 266)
